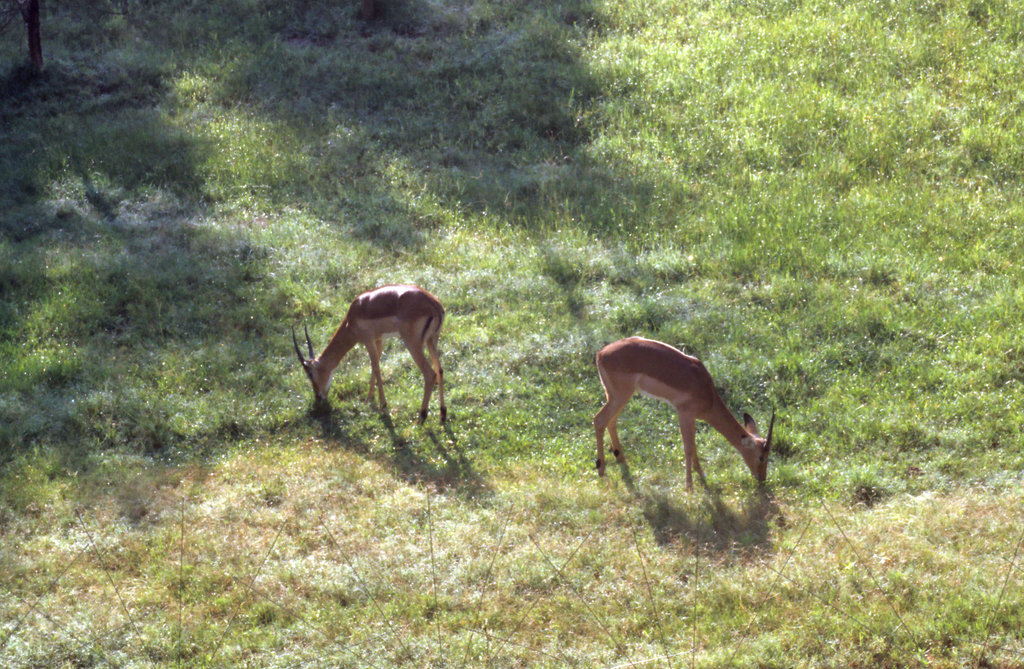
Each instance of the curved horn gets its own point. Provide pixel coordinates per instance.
(771, 426)
(296, 342)
(308, 343)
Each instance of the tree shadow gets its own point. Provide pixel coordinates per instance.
(95, 181)
(484, 106)
(106, 174)
(102, 123)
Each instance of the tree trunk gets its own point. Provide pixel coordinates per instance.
(30, 12)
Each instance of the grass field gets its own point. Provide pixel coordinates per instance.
(821, 200)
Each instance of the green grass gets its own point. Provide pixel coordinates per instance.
(819, 200)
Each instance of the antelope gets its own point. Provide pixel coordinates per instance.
(666, 373)
(407, 311)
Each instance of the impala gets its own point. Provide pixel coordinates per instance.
(668, 374)
(407, 311)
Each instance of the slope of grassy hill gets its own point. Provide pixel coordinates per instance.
(821, 200)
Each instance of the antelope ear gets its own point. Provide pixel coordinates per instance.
(750, 425)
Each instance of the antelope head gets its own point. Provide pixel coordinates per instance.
(759, 447)
(317, 375)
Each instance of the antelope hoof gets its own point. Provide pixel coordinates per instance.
(423, 416)
(619, 457)
(599, 464)
(444, 414)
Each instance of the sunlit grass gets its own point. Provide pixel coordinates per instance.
(329, 544)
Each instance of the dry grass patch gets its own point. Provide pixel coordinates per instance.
(297, 546)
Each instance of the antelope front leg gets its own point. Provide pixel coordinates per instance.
(688, 428)
(375, 349)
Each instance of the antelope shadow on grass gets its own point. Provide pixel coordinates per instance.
(713, 524)
(708, 520)
(409, 457)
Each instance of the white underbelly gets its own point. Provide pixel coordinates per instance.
(653, 396)
(652, 387)
(381, 327)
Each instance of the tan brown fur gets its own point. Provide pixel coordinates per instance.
(409, 312)
(643, 365)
